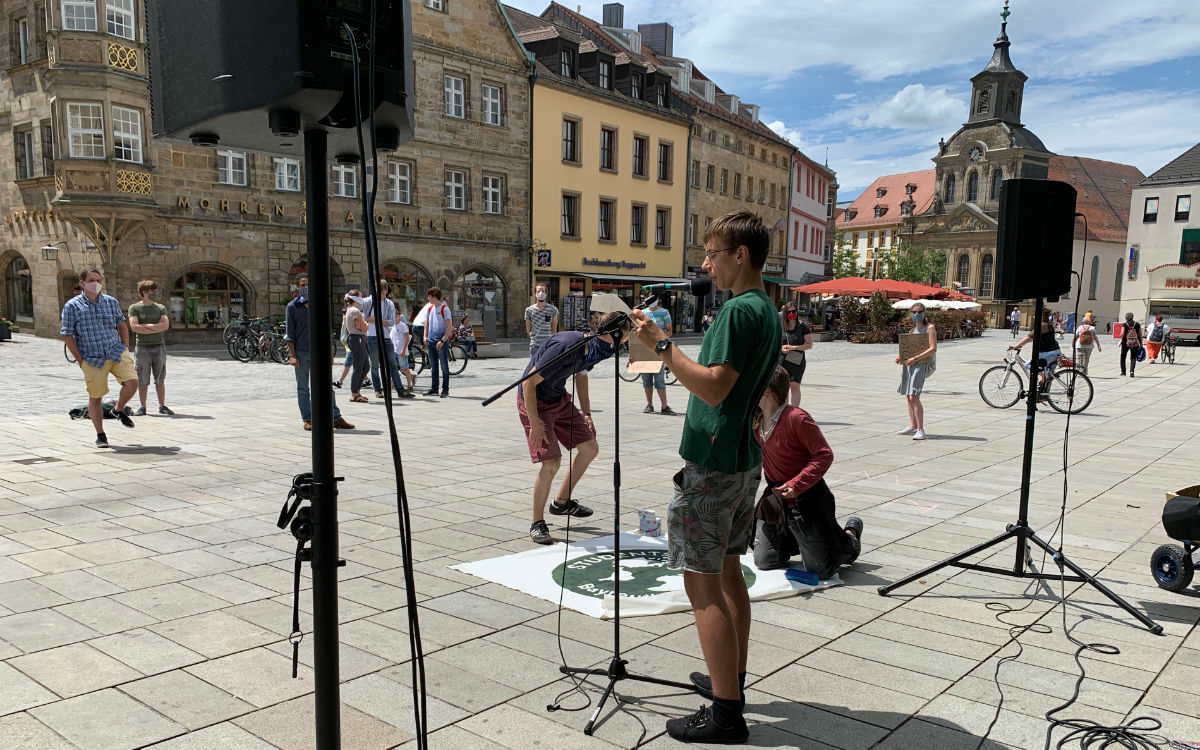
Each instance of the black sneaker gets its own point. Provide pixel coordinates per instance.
(101, 440)
(430, 392)
(407, 394)
(539, 533)
(703, 685)
(123, 416)
(572, 508)
(166, 410)
(700, 727)
(667, 410)
(854, 525)
(337, 384)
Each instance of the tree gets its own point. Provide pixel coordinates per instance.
(917, 264)
(845, 258)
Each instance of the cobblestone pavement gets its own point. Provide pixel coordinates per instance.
(145, 592)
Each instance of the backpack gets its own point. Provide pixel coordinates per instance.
(1133, 337)
(1086, 337)
(1156, 333)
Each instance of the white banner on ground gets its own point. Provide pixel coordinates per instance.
(648, 587)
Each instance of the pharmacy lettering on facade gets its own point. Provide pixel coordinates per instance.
(258, 208)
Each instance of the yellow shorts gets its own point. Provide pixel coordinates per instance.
(96, 378)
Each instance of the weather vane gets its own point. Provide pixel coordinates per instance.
(1004, 14)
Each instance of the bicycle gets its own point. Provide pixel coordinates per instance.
(1067, 390)
(1170, 351)
(456, 358)
(633, 377)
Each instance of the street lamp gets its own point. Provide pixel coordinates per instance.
(50, 251)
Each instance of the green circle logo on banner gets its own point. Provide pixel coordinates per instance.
(592, 575)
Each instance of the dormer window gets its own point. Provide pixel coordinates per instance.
(880, 211)
(635, 86)
(606, 75)
(906, 208)
(880, 192)
(661, 94)
(566, 62)
(851, 214)
(910, 188)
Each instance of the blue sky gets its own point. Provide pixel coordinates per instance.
(877, 82)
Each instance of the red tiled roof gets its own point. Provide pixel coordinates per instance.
(894, 184)
(649, 58)
(1104, 189)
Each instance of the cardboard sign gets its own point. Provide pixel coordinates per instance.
(912, 344)
(642, 358)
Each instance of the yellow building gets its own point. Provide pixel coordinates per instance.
(610, 154)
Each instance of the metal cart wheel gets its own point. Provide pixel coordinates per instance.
(1172, 567)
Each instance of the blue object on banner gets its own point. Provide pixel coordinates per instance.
(802, 576)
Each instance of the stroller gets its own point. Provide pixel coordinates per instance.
(1171, 564)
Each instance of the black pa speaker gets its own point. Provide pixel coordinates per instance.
(1034, 240)
(256, 73)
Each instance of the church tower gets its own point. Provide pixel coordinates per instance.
(993, 145)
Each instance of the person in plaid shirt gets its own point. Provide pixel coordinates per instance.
(95, 332)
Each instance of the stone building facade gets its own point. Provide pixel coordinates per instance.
(223, 230)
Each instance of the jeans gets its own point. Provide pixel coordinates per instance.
(812, 531)
(302, 384)
(373, 352)
(439, 357)
(655, 380)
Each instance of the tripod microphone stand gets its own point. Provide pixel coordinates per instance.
(1021, 530)
(616, 670)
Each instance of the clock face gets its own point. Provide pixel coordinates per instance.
(976, 154)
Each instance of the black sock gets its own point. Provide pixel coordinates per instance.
(726, 713)
(100, 435)
(742, 684)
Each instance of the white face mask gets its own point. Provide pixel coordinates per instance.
(541, 296)
(93, 287)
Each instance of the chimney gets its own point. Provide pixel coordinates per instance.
(614, 15)
(659, 37)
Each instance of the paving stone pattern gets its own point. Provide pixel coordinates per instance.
(145, 593)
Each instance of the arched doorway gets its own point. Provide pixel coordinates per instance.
(407, 282)
(18, 291)
(206, 297)
(481, 294)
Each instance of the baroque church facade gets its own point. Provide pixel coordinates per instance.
(994, 145)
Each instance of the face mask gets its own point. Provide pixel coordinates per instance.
(93, 287)
(918, 316)
(791, 316)
(541, 296)
(302, 295)
(598, 351)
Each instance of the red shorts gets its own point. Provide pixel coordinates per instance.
(563, 421)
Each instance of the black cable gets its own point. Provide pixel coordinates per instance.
(417, 662)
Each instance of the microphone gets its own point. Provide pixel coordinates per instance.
(698, 287)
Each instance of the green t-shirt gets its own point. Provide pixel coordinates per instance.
(746, 334)
(148, 315)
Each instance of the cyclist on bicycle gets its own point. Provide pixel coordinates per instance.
(1048, 351)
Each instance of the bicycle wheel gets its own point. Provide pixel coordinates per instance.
(671, 379)
(232, 344)
(626, 375)
(245, 349)
(231, 330)
(67, 354)
(1069, 391)
(457, 359)
(279, 351)
(1001, 386)
(419, 360)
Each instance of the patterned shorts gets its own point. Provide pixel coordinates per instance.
(711, 515)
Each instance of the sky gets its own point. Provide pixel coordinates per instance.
(874, 84)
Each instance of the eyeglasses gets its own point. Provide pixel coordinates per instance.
(714, 253)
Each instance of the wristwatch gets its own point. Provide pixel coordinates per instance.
(663, 345)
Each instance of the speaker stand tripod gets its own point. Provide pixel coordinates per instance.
(1021, 530)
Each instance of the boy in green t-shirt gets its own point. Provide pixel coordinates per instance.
(148, 319)
(711, 516)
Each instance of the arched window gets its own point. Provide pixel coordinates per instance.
(973, 186)
(480, 294)
(407, 283)
(206, 297)
(964, 269)
(985, 276)
(1120, 278)
(1094, 281)
(18, 291)
(949, 192)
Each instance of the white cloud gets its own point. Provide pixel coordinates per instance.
(916, 107)
(791, 134)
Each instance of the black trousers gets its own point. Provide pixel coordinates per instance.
(812, 531)
(1132, 352)
(357, 343)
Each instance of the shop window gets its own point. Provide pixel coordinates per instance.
(207, 297)
(407, 283)
(480, 294)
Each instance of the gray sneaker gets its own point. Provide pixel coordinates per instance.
(649, 409)
(667, 410)
(540, 533)
(141, 412)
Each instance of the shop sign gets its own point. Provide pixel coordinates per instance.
(543, 258)
(1135, 252)
(610, 263)
(1176, 277)
(156, 246)
(773, 267)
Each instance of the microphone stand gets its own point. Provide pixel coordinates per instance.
(616, 670)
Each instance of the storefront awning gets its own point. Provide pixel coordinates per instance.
(1175, 301)
(784, 282)
(619, 277)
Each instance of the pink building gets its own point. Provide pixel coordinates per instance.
(809, 247)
